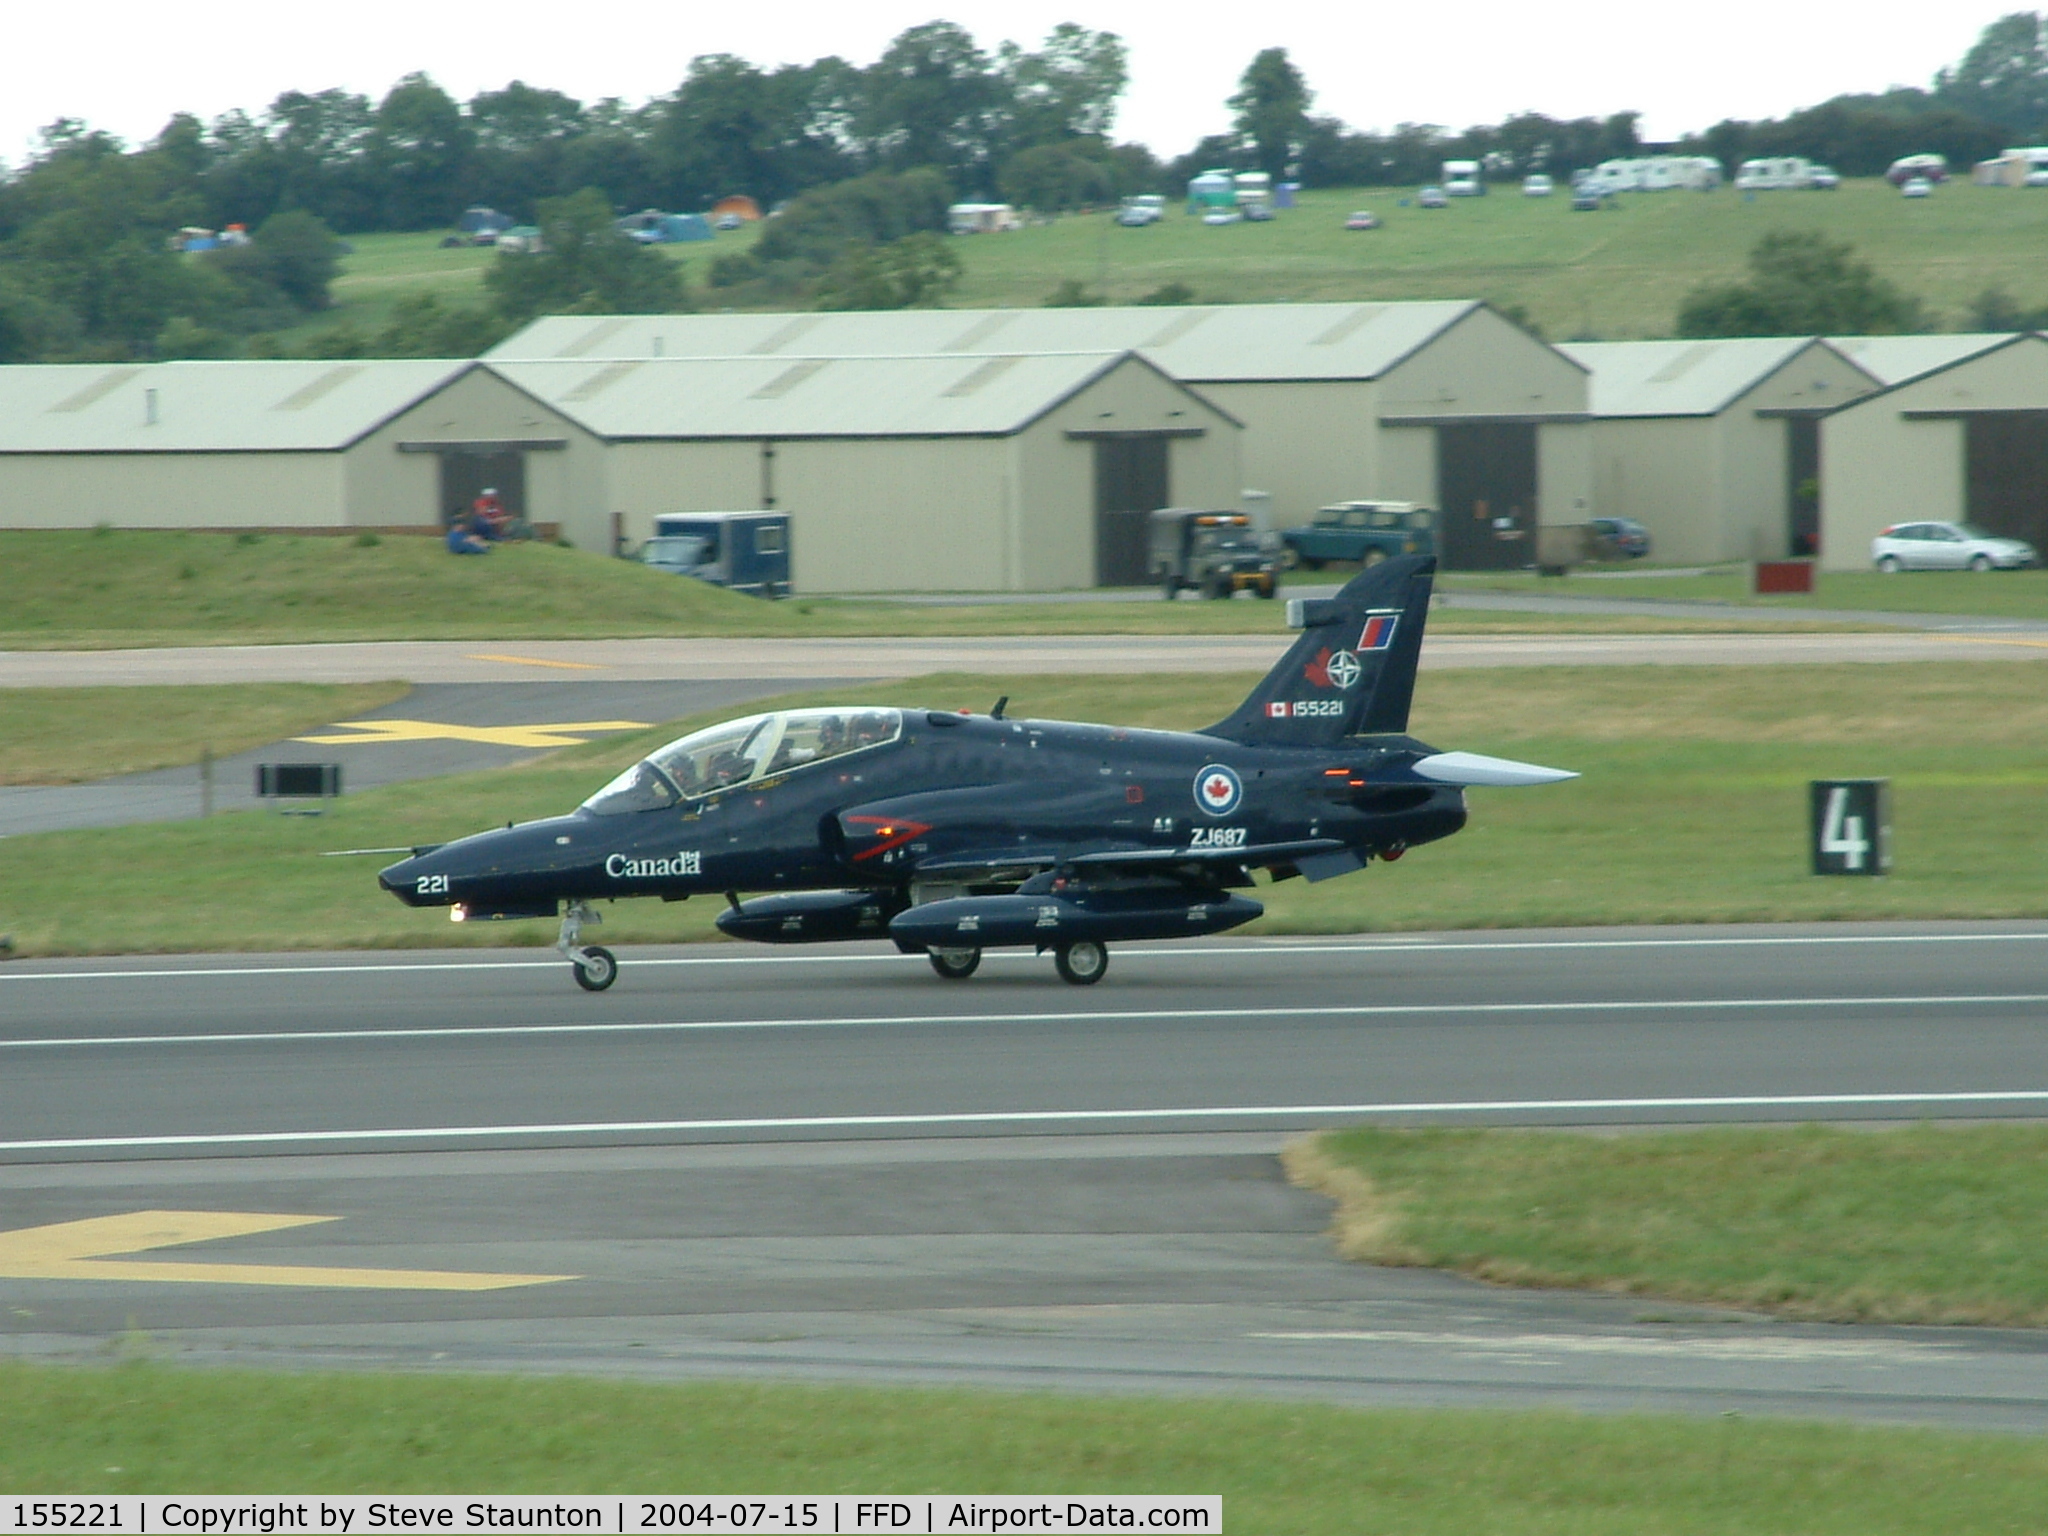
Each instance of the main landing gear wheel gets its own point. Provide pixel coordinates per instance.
(596, 968)
(1081, 964)
(954, 964)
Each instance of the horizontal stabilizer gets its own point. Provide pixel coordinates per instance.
(1475, 768)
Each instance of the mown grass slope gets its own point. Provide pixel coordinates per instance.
(108, 587)
(1613, 275)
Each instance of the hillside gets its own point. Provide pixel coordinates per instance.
(1612, 275)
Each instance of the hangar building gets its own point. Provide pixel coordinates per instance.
(977, 472)
(1714, 446)
(1965, 441)
(1445, 403)
(284, 445)
(1895, 359)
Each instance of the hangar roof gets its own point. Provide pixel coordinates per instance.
(782, 396)
(207, 407)
(1681, 378)
(1197, 343)
(1895, 359)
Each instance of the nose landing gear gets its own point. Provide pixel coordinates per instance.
(594, 967)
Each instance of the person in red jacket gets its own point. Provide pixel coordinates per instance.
(489, 515)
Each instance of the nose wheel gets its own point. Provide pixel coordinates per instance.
(1081, 964)
(593, 966)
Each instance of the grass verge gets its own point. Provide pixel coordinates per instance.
(1299, 1469)
(1699, 769)
(1992, 595)
(1928, 1224)
(73, 735)
(113, 588)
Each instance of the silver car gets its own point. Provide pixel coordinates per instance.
(1948, 547)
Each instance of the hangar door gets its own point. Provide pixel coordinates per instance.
(465, 473)
(1486, 487)
(2007, 458)
(1131, 478)
(1802, 489)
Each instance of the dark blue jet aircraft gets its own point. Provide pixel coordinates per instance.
(953, 833)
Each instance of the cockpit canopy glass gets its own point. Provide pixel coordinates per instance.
(741, 752)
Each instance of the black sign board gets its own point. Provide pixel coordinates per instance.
(290, 781)
(1852, 826)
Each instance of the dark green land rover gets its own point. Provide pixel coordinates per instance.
(1362, 533)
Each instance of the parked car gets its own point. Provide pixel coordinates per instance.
(2037, 178)
(1619, 538)
(1917, 186)
(728, 221)
(1214, 553)
(1364, 218)
(1537, 186)
(1362, 533)
(1258, 213)
(1432, 197)
(1823, 178)
(1948, 547)
(1587, 199)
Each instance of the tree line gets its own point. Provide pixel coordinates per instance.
(864, 158)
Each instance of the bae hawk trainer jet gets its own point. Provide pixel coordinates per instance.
(951, 833)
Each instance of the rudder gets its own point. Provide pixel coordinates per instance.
(1352, 672)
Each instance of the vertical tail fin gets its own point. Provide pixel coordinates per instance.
(1352, 672)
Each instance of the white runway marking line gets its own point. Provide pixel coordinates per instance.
(1279, 945)
(1789, 1350)
(1105, 1016)
(1305, 1113)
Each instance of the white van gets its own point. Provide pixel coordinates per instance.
(1782, 173)
(1462, 179)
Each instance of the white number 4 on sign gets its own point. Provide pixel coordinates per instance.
(1844, 835)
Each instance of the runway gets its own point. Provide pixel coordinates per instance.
(832, 1164)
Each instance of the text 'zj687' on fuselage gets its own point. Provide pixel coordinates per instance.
(950, 833)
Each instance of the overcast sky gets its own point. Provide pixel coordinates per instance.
(126, 65)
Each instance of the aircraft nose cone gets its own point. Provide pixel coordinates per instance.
(401, 879)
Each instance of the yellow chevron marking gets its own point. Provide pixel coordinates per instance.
(539, 661)
(90, 1250)
(568, 734)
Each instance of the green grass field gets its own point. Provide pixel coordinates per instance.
(1932, 1224)
(1613, 275)
(107, 587)
(75, 735)
(1282, 1468)
(1994, 594)
(1692, 768)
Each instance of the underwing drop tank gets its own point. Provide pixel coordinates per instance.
(1055, 919)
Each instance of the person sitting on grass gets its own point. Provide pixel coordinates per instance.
(492, 521)
(465, 538)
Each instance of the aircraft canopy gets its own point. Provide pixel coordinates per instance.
(741, 752)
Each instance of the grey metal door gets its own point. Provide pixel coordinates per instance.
(466, 474)
(1486, 485)
(2007, 454)
(1132, 477)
